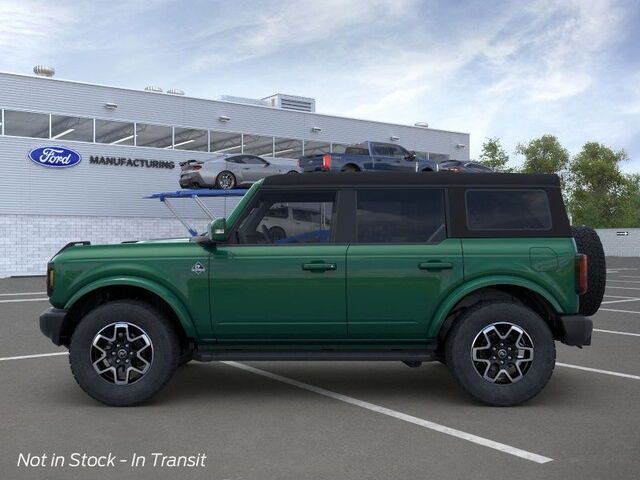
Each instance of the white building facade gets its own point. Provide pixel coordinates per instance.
(129, 144)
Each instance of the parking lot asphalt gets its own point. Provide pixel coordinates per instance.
(320, 420)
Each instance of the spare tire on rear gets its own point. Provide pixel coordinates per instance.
(588, 242)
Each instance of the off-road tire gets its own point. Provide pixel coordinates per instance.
(458, 352)
(588, 242)
(350, 168)
(165, 344)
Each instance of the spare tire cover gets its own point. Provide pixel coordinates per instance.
(588, 242)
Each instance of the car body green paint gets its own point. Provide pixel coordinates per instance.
(376, 294)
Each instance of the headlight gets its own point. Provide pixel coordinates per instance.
(51, 276)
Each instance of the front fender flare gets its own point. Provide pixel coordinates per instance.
(163, 292)
(462, 291)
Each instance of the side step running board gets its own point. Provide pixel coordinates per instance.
(317, 355)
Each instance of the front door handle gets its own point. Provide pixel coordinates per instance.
(319, 267)
(435, 266)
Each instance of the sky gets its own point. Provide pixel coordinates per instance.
(509, 69)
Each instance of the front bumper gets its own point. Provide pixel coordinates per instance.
(575, 330)
(53, 324)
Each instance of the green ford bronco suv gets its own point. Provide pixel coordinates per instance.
(481, 272)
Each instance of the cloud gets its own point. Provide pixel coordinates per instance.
(29, 28)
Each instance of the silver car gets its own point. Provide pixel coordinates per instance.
(230, 171)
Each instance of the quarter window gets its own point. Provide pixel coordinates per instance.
(401, 216)
(507, 210)
(268, 222)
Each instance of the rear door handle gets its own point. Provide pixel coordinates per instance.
(319, 267)
(435, 266)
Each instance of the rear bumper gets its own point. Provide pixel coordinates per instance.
(576, 330)
(191, 180)
(53, 325)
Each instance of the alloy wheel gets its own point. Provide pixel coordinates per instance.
(121, 353)
(502, 353)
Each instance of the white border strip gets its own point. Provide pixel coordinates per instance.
(622, 301)
(21, 293)
(597, 370)
(485, 442)
(40, 355)
(614, 310)
(17, 300)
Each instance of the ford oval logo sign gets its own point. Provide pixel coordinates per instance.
(55, 157)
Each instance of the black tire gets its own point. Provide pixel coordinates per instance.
(469, 327)
(222, 183)
(350, 168)
(292, 172)
(165, 352)
(588, 242)
(277, 233)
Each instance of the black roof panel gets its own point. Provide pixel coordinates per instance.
(328, 179)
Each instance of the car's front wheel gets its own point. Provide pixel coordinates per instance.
(123, 352)
(502, 353)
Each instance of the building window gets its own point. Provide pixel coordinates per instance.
(223, 142)
(157, 136)
(190, 139)
(71, 128)
(316, 148)
(287, 148)
(258, 145)
(114, 133)
(339, 147)
(26, 124)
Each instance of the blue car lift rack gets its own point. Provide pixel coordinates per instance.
(196, 195)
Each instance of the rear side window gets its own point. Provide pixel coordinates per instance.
(356, 151)
(400, 216)
(507, 210)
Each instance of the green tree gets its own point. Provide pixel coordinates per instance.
(601, 195)
(544, 155)
(494, 156)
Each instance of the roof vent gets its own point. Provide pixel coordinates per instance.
(175, 91)
(153, 88)
(44, 71)
(292, 102)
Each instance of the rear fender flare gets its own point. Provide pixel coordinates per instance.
(462, 291)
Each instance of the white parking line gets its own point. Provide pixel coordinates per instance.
(614, 310)
(21, 293)
(629, 276)
(597, 370)
(624, 281)
(621, 301)
(616, 332)
(23, 357)
(622, 288)
(17, 300)
(485, 442)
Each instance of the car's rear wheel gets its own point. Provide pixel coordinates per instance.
(276, 234)
(123, 352)
(588, 242)
(502, 353)
(225, 180)
(350, 168)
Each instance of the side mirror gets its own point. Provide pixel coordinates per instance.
(218, 230)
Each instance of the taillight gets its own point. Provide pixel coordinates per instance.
(582, 274)
(326, 161)
(50, 278)
(196, 167)
(455, 169)
(299, 163)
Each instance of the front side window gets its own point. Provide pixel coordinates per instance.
(507, 210)
(268, 221)
(401, 216)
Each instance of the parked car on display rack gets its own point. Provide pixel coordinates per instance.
(461, 166)
(480, 272)
(369, 156)
(230, 171)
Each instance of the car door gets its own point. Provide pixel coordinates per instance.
(383, 159)
(281, 288)
(254, 168)
(402, 263)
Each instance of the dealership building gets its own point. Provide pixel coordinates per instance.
(127, 144)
